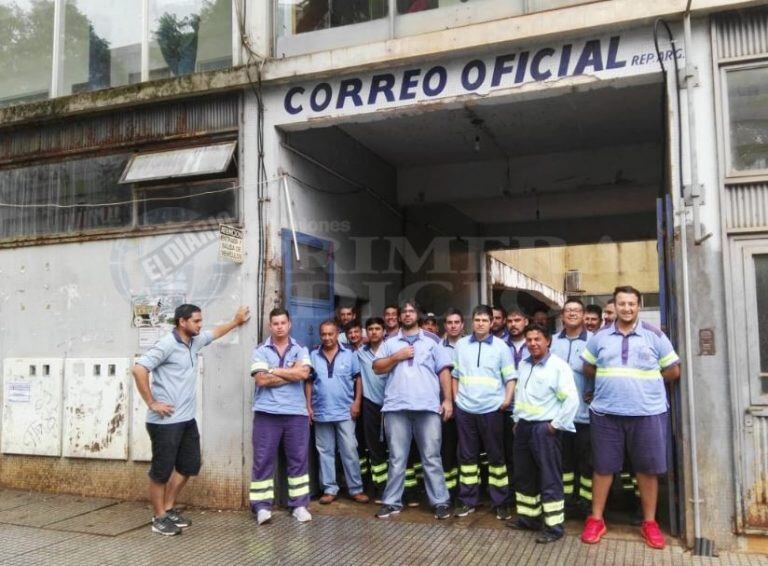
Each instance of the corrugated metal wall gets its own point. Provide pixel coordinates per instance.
(747, 206)
(181, 119)
(742, 34)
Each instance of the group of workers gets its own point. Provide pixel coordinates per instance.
(542, 422)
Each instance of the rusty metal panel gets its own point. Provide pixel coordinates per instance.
(96, 408)
(32, 406)
(140, 446)
(125, 127)
(746, 206)
(756, 500)
(742, 34)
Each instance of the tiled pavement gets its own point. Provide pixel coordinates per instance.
(62, 530)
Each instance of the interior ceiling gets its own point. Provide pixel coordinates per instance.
(578, 120)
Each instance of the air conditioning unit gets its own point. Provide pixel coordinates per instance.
(573, 282)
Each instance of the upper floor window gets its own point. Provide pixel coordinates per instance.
(102, 44)
(305, 26)
(747, 119)
(302, 16)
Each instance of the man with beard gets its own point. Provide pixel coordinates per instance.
(419, 376)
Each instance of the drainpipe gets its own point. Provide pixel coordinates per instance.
(692, 198)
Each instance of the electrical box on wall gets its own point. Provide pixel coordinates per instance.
(140, 445)
(32, 406)
(96, 408)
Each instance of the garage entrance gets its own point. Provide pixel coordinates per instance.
(461, 202)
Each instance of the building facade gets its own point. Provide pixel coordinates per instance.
(367, 152)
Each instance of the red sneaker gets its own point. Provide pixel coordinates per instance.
(594, 529)
(652, 534)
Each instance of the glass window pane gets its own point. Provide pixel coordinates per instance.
(26, 50)
(215, 201)
(761, 290)
(187, 36)
(102, 44)
(412, 6)
(68, 183)
(748, 112)
(301, 16)
(204, 160)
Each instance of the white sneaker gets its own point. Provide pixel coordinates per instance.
(302, 514)
(263, 516)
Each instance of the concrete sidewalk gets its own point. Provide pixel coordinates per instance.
(63, 529)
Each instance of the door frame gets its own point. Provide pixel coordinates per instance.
(743, 345)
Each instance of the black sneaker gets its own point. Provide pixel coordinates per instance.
(164, 526)
(463, 510)
(520, 525)
(177, 518)
(548, 536)
(411, 500)
(503, 513)
(387, 511)
(443, 512)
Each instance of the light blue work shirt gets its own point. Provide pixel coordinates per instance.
(628, 379)
(333, 384)
(414, 385)
(569, 349)
(287, 399)
(546, 391)
(483, 368)
(173, 365)
(373, 384)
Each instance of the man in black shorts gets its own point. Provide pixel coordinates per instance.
(171, 399)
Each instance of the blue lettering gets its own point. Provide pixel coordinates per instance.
(320, 106)
(522, 64)
(536, 62)
(592, 56)
(565, 60)
(383, 84)
(613, 50)
(350, 88)
(442, 79)
(635, 60)
(410, 81)
(288, 102)
(500, 68)
(468, 84)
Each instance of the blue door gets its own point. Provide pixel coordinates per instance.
(665, 246)
(308, 285)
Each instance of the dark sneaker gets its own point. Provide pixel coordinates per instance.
(503, 513)
(443, 512)
(411, 500)
(164, 526)
(387, 511)
(548, 536)
(463, 510)
(521, 525)
(177, 518)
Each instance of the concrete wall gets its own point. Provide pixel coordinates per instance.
(602, 266)
(71, 300)
(710, 390)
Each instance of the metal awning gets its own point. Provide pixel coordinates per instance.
(186, 162)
